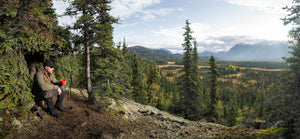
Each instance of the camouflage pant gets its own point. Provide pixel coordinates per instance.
(52, 93)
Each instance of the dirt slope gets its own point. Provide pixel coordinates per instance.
(132, 121)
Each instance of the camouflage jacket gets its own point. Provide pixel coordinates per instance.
(45, 81)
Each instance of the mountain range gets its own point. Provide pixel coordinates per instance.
(262, 51)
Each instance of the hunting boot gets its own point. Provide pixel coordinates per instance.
(59, 102)
(51, 108)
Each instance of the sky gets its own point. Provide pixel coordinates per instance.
(217, 25)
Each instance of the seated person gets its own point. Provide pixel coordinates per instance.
(46, 87)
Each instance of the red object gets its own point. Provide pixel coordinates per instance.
(63, 81)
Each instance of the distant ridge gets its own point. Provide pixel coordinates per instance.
(263, 51)
(160, 56)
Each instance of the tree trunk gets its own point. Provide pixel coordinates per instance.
(88, 60)
(32, 70)
(88, 74)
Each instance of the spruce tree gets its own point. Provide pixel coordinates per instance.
(94, 26)
(137, 80)
(152, 74)
(231, 115)
(111, 72)
(119, 46)
(85, 23)
(196, 84)
(125, 48)
(213, 88)
(294, 19)
(190, 87)
(153, 86)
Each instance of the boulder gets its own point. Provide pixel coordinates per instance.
(16, 124)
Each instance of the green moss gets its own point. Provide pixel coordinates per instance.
(15, 83)
(270, 132)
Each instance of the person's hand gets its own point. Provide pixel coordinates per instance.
(59, 91)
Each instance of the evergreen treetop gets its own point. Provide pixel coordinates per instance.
(30, 26)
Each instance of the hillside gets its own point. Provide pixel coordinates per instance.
(159, 55)
(133, 121)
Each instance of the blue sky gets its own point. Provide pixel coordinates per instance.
(217, 24)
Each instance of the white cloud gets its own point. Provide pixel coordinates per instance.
(170, 38)
(174, 36)
(152, 14)
(125, 8)
(216, 42)
(127, 25)
(270, 6)
(261, 27)
(169, 35)
(163, 11)
(200, 30)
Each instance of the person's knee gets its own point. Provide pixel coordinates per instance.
(63, 88)
(49, 94)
